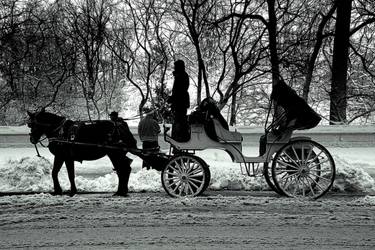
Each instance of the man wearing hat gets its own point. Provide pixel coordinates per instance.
(114, 117)
(122, 130)
(123, 137)
(148, 131)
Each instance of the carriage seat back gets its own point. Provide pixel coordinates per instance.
(224, 135)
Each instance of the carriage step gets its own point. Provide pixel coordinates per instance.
(251, 169)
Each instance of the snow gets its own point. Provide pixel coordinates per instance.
(22, 171)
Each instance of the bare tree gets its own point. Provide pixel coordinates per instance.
(340, 63)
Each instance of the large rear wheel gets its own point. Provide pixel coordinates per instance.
(185, 175)
(303, 168)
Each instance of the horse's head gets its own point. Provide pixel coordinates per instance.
(42, 123)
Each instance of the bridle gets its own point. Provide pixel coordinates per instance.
(45, 127)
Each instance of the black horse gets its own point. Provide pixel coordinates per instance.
(71, 141)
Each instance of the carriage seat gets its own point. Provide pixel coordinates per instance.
(224, 135)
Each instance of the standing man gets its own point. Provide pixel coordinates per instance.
(123, 137)
(148, 131)
(180, 102)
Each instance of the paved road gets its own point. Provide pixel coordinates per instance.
(219, 220)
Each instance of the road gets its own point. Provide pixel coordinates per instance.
(218, 220)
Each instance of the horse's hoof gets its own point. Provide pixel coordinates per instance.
(71, 194)
(121, 194)
(57, 193)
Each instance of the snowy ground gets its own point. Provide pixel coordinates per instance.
(22, 171)
(218, 220)
(233, 213)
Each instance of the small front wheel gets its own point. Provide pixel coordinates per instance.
(185, 175)
(303, 168)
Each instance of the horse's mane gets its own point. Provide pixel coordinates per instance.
(47, 117)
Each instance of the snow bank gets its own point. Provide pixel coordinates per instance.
(26, 174)
(351, 178)
(33, 174)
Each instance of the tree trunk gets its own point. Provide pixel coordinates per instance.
(272, 28)
(338, 93)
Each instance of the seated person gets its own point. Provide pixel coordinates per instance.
(208, 114)
(148, 131)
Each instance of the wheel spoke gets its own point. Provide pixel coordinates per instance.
(286, 164)
(286, 182)
(317, 156)
(295, 187)
(308, 155)
(316, 183)
(302, 154)
(320, 177)
(175, 169)
(192, 183)
(172, 173)
(188, 165)
(291, 175)
(285, 170)
(303, 187)
(311, 189)
(196, 175)
(177, 183)
(306, 184)
(196, 180)
(195, 172)
(317, 164)
(181, 167)
(172, 178)
(290, 158)
(295, 153)
(190, 189)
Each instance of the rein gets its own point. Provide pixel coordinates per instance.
(135, 117)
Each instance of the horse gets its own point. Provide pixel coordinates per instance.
(71, 141)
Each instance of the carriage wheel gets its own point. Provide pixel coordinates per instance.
(267, 173)
(303, 168)
(185, 175)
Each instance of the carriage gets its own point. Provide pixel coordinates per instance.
(293, 166)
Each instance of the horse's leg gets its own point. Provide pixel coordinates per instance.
(57, 164)
(121, 163)
(70, 168)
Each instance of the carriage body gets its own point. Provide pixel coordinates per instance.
(292, 166)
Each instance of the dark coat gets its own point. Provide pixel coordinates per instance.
(180, 95)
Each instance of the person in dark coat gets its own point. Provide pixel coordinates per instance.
(180, 102)
(148, 131)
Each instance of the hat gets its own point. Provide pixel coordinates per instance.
(179, 65)
(114, 114)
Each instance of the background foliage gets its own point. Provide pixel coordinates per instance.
(84, 58)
